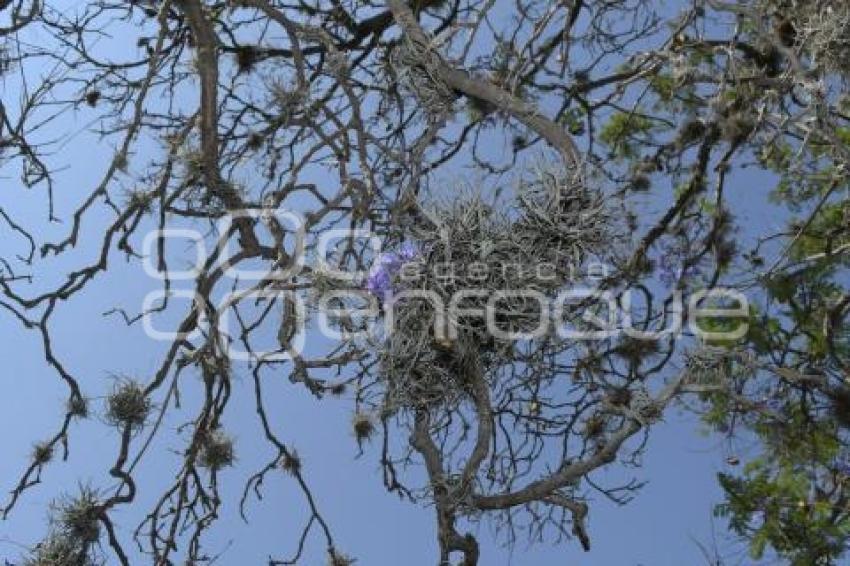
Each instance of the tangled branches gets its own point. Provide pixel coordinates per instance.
(75, 532)
(468, 252)
(254, 128)
(417, 68)
(820, 29)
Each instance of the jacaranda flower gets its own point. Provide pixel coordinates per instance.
(386, 265)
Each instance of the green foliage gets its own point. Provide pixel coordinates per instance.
(664, 85)
(791, 499)
(622, 133)
(827, 230)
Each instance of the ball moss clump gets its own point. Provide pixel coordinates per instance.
(58, 550)
(42, 453)
(336, 558)
(288, 101)
(707, 365)
(247, 57)
(363, 426)
(736, 127)
(562, 219)
(92, 97)
(820, 30)
(255, 141)
(5, 60)
(128, 405)
(824, 28)
(338, 389)
(76, 518)
(217, 451)
(594, 426)
(74, 532)
(691, 131)
(417, 69)
(78, 407)
(640, 183)
(290, 462)
(467, 246)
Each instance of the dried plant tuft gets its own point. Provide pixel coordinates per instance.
(217, 451)
(128, 405)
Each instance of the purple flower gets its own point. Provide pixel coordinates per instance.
(379, 282)
(408, 251)
(380, 279)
